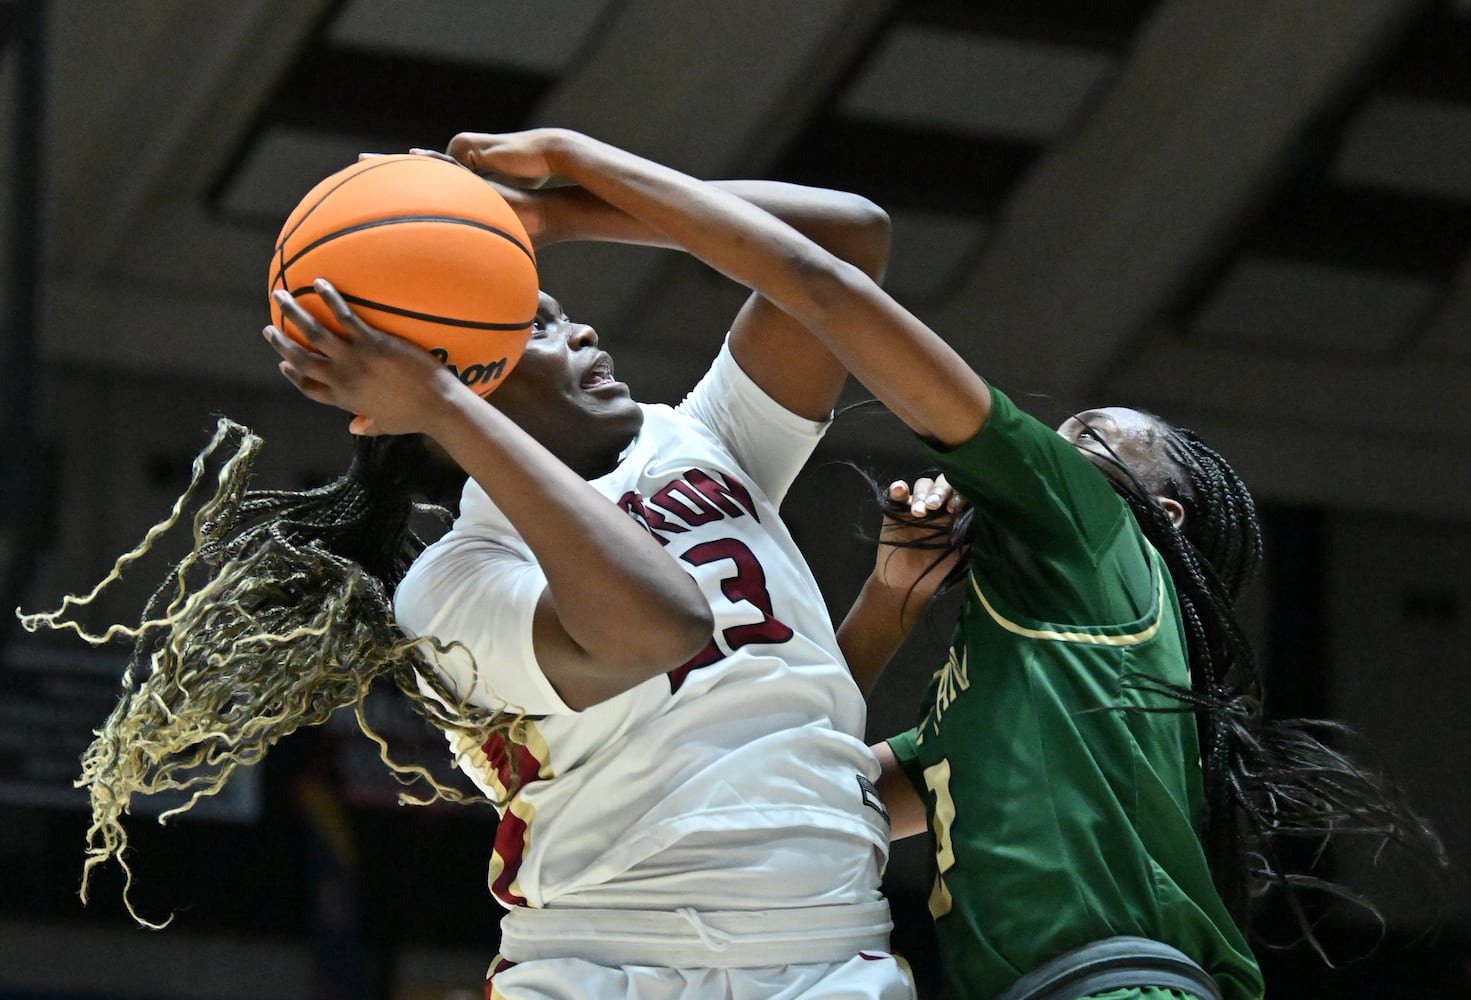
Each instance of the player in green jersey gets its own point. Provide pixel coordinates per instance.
(1089, 832)
(1063, 784)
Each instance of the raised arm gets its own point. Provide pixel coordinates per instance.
(899, 359)
(779, 353)
(603, 571)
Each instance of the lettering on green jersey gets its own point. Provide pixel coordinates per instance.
(951, 679)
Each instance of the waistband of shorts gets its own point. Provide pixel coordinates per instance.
(1113, 964)
(700, 939)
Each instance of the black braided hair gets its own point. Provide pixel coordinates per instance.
(280, 614)
(1267, 782)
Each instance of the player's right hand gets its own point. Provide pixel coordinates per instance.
(915, 552)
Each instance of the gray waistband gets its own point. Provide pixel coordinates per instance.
(1114, 964)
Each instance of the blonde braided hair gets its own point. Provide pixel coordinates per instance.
(279, 615)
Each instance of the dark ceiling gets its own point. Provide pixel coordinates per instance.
(1254, 218)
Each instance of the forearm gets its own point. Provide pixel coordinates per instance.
(934, 391)
(603, 571)
(872, 632)
(848, 225)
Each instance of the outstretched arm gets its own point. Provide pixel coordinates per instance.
(896, 356)
(603, 571)
(777, 351)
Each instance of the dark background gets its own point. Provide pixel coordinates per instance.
(1253, 218)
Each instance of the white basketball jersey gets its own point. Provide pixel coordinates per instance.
(738, 781)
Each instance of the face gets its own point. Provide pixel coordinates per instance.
(1128, 433)
(1133, 437)
(562, 392)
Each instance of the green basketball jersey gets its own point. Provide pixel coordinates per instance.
(1058, 818)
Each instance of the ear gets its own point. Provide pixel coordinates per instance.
(1174, 510)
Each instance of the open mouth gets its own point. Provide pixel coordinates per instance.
(600, 374)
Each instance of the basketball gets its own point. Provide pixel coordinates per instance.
(422, 249)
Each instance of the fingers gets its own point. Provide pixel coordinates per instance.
(925, 497)
(436, 154)
(318, 336)
(296, 362)
(928, 496)
(352, 326)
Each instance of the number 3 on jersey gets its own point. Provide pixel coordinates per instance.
(747, 585)
(937, 780)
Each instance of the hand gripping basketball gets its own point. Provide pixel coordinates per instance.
(381, 379)
(422, 249)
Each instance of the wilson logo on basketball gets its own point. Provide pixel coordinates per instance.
(472, 375)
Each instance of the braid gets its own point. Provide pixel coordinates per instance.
(1267, 782)
(1222, 523)
(279, 615)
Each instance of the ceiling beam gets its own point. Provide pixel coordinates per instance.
(1340, 394)
(171, 86)
(1131, 211)
(715, 90)
(1344, 433)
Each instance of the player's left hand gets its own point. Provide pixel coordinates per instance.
(388, 383)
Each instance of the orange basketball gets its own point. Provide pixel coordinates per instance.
(420, 248)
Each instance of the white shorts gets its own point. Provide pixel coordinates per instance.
(805, 953)
(869, 976)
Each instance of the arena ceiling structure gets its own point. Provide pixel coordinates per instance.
(1254, 217)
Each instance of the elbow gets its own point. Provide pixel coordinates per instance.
(825, 286)
(688, 635)
(641, 651)
(683, 630)
(866, 238)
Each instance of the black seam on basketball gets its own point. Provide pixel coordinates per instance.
(396, 220)
(327, 194)
(468, 324)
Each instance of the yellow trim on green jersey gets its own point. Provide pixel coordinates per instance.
(1132, 639)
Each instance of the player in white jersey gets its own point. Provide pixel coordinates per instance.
(702, 827)
(670, 821)
(688, 801)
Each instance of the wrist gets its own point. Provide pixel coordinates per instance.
(446, 406)
(879, 593)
